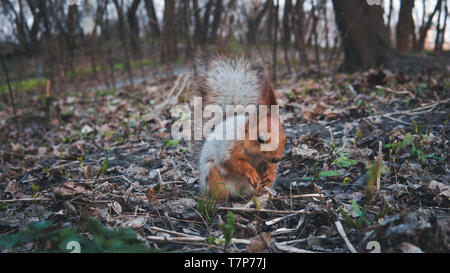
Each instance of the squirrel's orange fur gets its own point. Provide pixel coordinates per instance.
(237, 167)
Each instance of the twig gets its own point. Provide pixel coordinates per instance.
(379, 161)
(300, 196)
(291, 249)
(395, 91)
(171, 232)
(16, 120)
(276, 220)
(266, 210)
(24, 200)
(341, 231)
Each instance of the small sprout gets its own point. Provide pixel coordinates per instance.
(80, 159)
(3, 206)
(346, 180)
(329, 173)
(228, 228)
(35, 189)
(103, 167)
(416, 129)
(344, 162)
(211, 240)
(171, 142)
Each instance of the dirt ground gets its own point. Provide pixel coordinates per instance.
(109, 155)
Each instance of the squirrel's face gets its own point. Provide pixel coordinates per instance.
(270, 140)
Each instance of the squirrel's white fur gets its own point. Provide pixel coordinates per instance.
(231, 82)
(216, 151)
(228, 82)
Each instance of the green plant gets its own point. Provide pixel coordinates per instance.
(363, 217)
(343, 162)
(103, 166)
(3, 206)
(35, 189)
(171, 142)
(228, 228)
(329, 173)
(48, 238)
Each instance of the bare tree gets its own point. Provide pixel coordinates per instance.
(405, 26)
(153, 20)
(217, 17)
(134, 27)
(169, 51)
(298, 23)
(364, 36)
(275, 40)
(27, 36)
(124, 37)
(287, 32)
(440, 32)
(423, 31)
(254, 20)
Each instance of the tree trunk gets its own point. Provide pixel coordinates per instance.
(275, 42)
(405, 26)
(287, 32)
(124, 36)
(169, 38)
(298, 19)
(153, 20)
(424, 28)
(134, 28)
(254, 20)
(364, 36)
(216, 21)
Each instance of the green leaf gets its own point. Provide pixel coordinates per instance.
(329, 173)
(348, 219)
(344, 162)
(356, 208)
(213, 240)
(383, 212)
(407, 140)
(171, 142)
(228, 228)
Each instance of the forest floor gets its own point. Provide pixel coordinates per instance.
(109, 155)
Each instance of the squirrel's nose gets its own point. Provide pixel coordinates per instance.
(276, 159)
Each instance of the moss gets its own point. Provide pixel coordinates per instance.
(23, 85)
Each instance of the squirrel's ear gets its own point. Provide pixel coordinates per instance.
(268, 93)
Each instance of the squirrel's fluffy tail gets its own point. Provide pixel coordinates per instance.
(231, 81)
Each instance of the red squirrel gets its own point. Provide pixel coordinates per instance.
(235, 168)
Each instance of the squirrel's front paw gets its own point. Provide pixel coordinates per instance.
(253, 177)
(269, 175)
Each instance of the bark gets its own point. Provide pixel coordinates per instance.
(218, 8)
(299, 30)
(153, 20)
(205, 25)
(254, 20)
(315, 36)
(134, 27)
(168, 36)
(275, 42)
(124, 37)
(405, 26)
(425, 27)
(364, 36)
(287, 32)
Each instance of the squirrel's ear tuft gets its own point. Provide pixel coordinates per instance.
(268, 93)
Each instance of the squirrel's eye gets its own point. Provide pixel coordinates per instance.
(260, 139)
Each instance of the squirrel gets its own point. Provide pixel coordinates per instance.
(238, 168)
